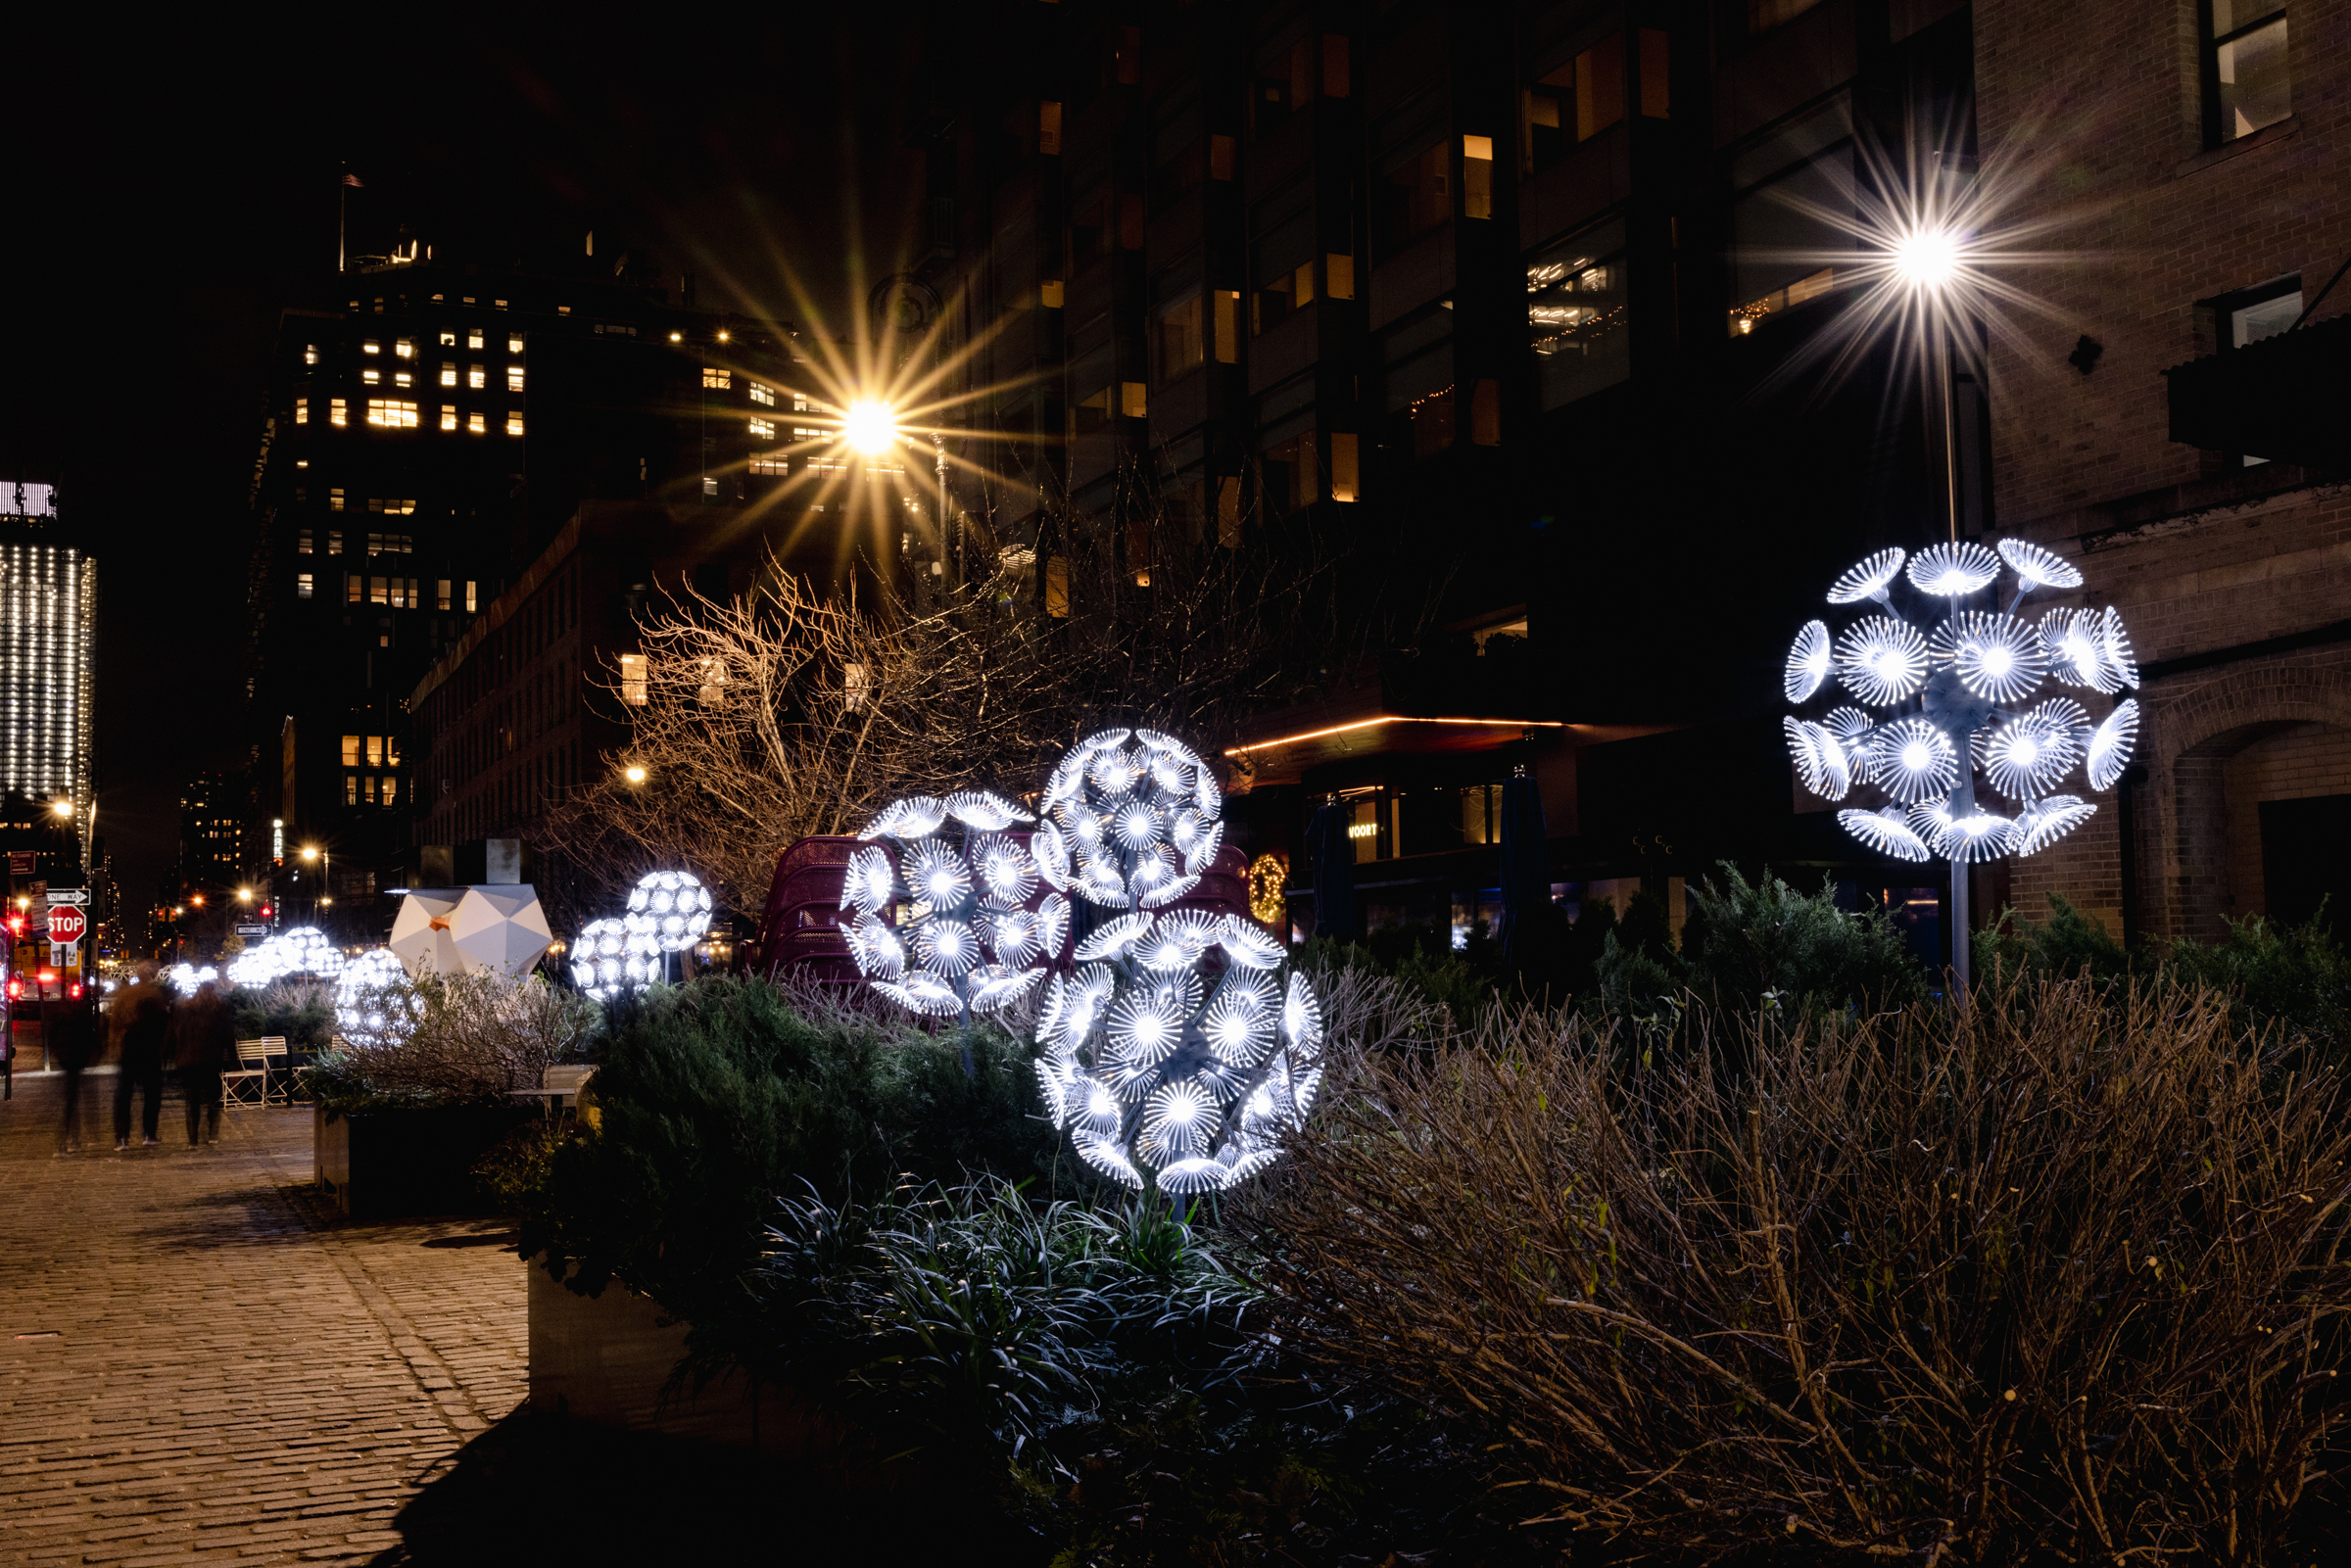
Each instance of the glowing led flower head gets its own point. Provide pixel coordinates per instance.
(1967, 712)
(304, 950)
(1808, 662)
(1134, 821)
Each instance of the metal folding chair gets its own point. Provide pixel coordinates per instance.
(277, 1087)
(249, 1083)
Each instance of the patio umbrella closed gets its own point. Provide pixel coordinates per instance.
(1525, 867)
(1332, 853)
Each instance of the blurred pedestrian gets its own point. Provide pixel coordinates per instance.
(203, 1043)
(142, 1015)
(71, 1033)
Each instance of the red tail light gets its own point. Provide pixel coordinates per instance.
(75, 992)
(16, 989)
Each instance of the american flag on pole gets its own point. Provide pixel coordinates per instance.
(349, 178)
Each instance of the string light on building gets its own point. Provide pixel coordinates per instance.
(1964, 712)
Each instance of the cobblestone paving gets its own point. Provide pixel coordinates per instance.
(196, 1367)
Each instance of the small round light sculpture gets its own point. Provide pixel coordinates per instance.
(186, 978)
(1963, 709)
(598, 957)
(670, 910)
(305, 950)
(374, 1003)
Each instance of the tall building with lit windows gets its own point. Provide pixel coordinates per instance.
(48, 611)
(431, 428)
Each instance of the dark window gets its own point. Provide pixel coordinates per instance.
(2249, 315)
(1413, 186)
(2247, 85)
(1791, 221)
(1577, 318)
(2306, 858)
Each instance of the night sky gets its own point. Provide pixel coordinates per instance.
(168, 186)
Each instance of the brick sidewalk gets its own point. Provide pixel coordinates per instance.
(231, 1377)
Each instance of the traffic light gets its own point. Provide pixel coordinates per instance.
(74, 991)
(265, 912)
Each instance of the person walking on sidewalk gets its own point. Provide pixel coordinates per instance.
(142, 1015)
(70, 1034)
(204, 1042)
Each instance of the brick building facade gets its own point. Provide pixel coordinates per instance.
(2188, 229)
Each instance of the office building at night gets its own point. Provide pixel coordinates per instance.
(48, 612)
(1556, 304)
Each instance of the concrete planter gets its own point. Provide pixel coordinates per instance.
(392, 1164)
(606, 1359)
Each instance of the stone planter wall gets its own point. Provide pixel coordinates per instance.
(393, 1164)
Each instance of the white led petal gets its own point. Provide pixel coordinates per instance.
(946, 947)
(876, 948)
(1302, 1018)
(936, 876)
(1248, 945)
(1108, 1158)
(1139, 827)
(915, 818)
(921, 993)
(1869, 578)
(1112, 937)
(1180, 1122)
(1997, 657)
(2063, 713)
(1163, 953)
(1203, 854)
(2075, 652)
(1820, 762)
(1186, 1177)
(1051, 857)
(1207, 794)
(2111, 745)
(1052, 925)
(1851, 728)
(1887, 831)
(1167, 893)
(870, 883)
(2040, 566)
(995, 985)
(1809, 662)
(1979, 835)
(1912, 761)
(1238, 1032)
(1954, 571)
(2045, 822)
(1011, 934)
(1881, 660)
(2024, 757)
(982, 809)
(1004, 871)
(2114, 648)
(1144, 1029)
(1184, 829)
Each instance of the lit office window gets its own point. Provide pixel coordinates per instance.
(392, 413)
(305, 585)
(715, 378)
(372, 377)
(350, 789)
(805, 433)
(469, 597)
(1576, 314)
(372, 347)
(379, 590)
(401, 378)
(632, 679)
(304, 542)
(310, 354)
(302, 411)
(762, 429)
(391, 790)
(473, 337)
(406, 348)
(771, 462)
(513, 343)
(334, 536)
(764, 396)
(334, 503)
(475, 376)
(477, 424)
(351, 752)
(1131, 402)
(448, 372)
(2247, 85)
(449, 417)
(513, 422)
(448, 340)
(514, 378)
(336, 413)
(441, 595)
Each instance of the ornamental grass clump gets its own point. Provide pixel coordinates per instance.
(2060, 1277)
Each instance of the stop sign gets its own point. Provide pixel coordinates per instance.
(65, 925)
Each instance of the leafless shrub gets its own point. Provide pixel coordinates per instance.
(2060, 1278)
(800, 709)
(474, 1038)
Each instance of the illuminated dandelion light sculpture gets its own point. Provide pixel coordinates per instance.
(1963, 709)
(951, 918)
(373, 1003)
(600, 956)
(1170, 1052)
(668, 912)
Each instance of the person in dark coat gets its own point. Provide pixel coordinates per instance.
(142, 1017)
(203, 1044)
(71, 1035)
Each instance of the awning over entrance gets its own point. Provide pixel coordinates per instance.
(2287, 398)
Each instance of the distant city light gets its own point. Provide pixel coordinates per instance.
(869, 427)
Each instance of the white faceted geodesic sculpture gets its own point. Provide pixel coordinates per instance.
(374, 1004)
(949, 917)
(421, 935)
(669, 908)
(1965, 705)
(499, 930)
